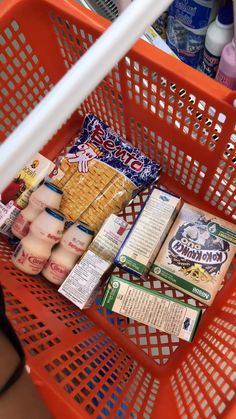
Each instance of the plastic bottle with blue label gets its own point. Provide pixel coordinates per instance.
(219, 34)
(187, 25)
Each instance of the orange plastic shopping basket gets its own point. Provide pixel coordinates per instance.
(95, 363)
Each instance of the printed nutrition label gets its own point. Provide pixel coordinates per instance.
(106, 245)
(83, 279)
(150, 227)
(152, 310)
(109, 239)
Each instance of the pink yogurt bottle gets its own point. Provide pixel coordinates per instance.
(34, 249)
(64, 256)
(226, 73)
(47, 195)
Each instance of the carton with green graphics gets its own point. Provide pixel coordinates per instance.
(151, 308)
(146, 236)
(196, 254)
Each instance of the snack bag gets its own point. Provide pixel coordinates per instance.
(101, 173)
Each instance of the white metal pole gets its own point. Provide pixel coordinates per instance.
(122, 4)
(49, 115)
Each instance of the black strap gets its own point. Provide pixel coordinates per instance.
(14, 377)
(7, 329)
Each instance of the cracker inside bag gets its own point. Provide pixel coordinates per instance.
(101, 173)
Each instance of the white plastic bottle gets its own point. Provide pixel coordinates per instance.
(219, 33)
(34, 249)
(64, 256)
(47, 195)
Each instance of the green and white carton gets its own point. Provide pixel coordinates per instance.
(196, 254)
(151, 308)
(147, 234)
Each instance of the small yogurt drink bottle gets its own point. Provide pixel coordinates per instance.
(64, 256)
(47, 195)
(34, 249)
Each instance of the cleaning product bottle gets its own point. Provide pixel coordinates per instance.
(226, 73)
(187, 24)
(219, 33)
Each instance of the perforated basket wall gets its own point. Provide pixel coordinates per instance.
(94, 363)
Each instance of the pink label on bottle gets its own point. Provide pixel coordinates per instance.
(74, 246)
(226, 80)
(57, 271)
(28, 260)
(53, 237)
(21, 226)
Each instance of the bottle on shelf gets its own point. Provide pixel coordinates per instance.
(226, 73)
(34, 249)
(187, 25)
(219, 33)
(65, 255)
(47, 195)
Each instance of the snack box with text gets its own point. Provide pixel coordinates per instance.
(151, 308)
(16, 196)
(196, 254)
(82, 284)
(148, 232)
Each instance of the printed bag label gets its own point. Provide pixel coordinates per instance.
(98, 141)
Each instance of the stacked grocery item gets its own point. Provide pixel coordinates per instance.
(172, 241)
(97, 177)
(183, 246)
